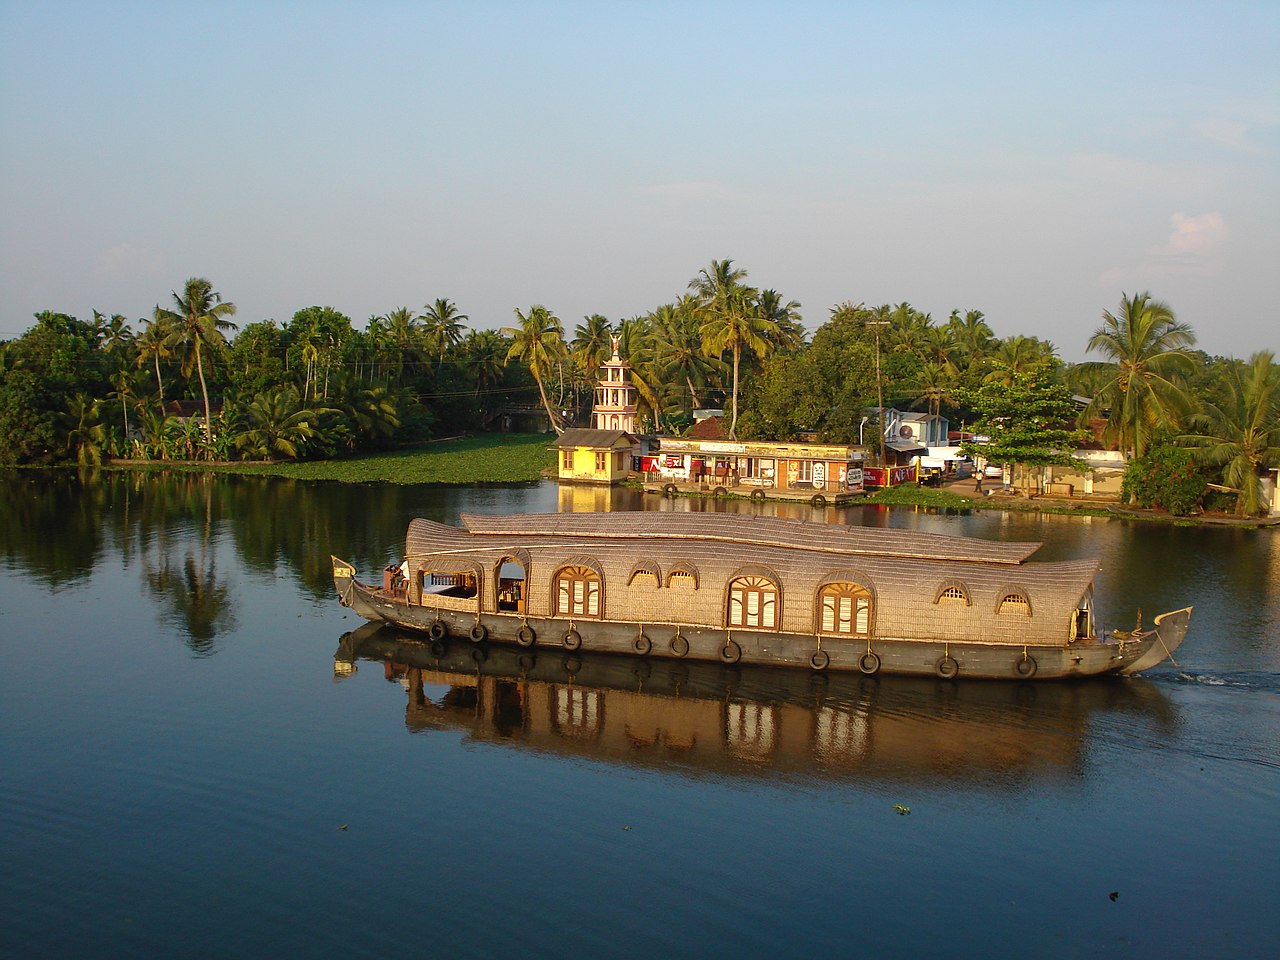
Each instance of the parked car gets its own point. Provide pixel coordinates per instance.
(993, 471)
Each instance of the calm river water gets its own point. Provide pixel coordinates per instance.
(201, 755)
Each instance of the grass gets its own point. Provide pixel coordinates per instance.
(491, 458)
(912, 495)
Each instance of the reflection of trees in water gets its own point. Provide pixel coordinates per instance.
(50, 524)
(196, 601)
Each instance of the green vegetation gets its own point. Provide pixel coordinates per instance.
(1165, 478)
(487, 459)
(913, 495)
(186, 384)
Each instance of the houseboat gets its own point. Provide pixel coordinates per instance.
(756, 590)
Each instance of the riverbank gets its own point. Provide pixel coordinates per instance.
(492, 458)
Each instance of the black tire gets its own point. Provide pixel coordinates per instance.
(670, 490)
(572, 640)
(757, 495)
(642, 645)
(719, 493)
(437, 630)
(679, 646)
(1025, 668)
(869, 663)
(479, 633)
(730, 652)
(820, 660)
(526, 636)
(479, 654)
(818, 500)
(437, 648)
(947, 668)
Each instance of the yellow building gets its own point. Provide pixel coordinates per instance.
(594, 456)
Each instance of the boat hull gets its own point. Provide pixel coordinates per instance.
(897, 656)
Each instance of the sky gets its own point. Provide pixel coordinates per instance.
(1032, 160)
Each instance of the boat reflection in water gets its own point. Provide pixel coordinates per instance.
(733, 720)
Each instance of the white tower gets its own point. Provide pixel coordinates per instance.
(615, 406)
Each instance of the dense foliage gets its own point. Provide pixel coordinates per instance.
(1165, 478)
(187, 384)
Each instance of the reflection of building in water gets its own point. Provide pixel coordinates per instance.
(705, 716)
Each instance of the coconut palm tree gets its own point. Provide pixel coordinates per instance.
(1240, 431)
(1146, 350)
(442, 327)
(153, 345)
(539, 342)
(85, 432)
(198, 321)
(277, 423)
(729, 320)
(592, 343)
(678, 347)
(971, 335)
(1018, 355)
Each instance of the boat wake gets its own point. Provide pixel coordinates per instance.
(1263, 682)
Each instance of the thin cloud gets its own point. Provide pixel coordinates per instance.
(126, 262)
(1193, 237)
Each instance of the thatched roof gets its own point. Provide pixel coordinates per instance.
(744, 529)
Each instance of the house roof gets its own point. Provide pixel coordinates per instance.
(592, 439)
(706, 429)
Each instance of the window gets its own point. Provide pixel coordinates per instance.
(578, 592)
(952, 595)
(602, 460)
(753, 602)
(845, 608)
(805, 473)
(682, 580)
(1014, 603)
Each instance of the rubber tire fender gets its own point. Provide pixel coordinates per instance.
(757, 495)
(679, 646)
(820, 660)
(437, 630)
(1026, 667)
(731, 652)
(642, 645)
(479, 633)
(869, 663)
(818, 500)
(670, 490)
(947, 668)
(572, 639)
(719, 493)
(526, 636)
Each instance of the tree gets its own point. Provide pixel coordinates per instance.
(442, 326)
(85, 433)
(1240, 431)
(539, 342)
(1025, 420)
(1166, 478)
(1146, 355)
(729, 320)
(277, 424)
(198, 321)
(153, 345)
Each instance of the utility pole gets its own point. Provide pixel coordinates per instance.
(879, 384)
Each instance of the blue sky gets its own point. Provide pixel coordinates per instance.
(1030, 160)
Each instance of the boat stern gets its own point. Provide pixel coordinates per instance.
(1169, 632)
(344, 579)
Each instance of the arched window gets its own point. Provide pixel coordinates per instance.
(1014, 603)
(845, 608)
(577, 592)
(753, 602)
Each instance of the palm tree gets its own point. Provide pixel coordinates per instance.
(85, 432)
(678, 347)
(404, 334)
(198, 323)
(592, 343)
(728, 320)
(485, 351)
(539, 342)
(1018, 355)
(278, 423)
(443, 327)
(971, 335)
(152, 345)
(784, 329)
(1146, 355)
(1241, 431)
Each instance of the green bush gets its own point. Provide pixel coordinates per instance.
(1165, 478)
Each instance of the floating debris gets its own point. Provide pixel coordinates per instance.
(1114, 895)
(902, 809)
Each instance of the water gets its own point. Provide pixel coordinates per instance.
(189, 765)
